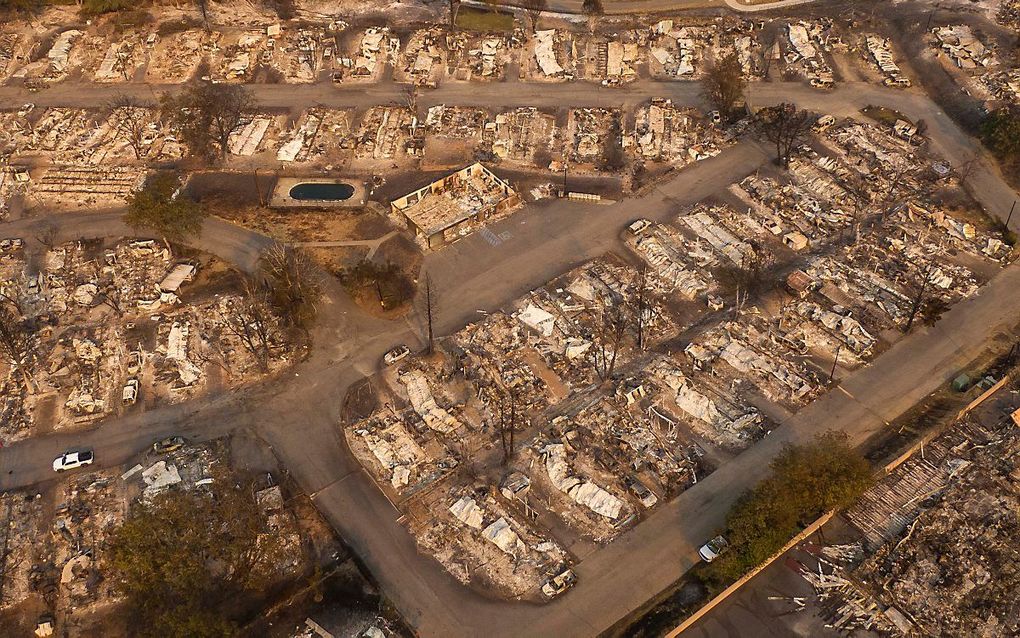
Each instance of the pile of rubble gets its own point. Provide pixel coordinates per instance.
(21, 552)
(965, 49)
(519, 135)
(845, 606)
(455, 122)
(677, 51)
(480, 537)
(554, 55)
(483, 57)
(680, 136)
(616, 60)
(175, 58)
(879, 50)
(423, 60)
(403, 457)
(806, 43)
(302, 54)
(713, 413)
(319, 134)
(376, 48)
(1009, 13)
(590, 132)
(10, 50)
(944, 525)
(749, 352)
(384, 133)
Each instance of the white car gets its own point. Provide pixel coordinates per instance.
(72, 460)
(397, 354)
(130, 393)
(638, 226)
(713, 548)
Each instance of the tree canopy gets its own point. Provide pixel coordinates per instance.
(787, 127)
(159, 207)
(1001, 132)
(19, 5)
(806, 480)
(180, 557)
(205, 115)
(724, 84)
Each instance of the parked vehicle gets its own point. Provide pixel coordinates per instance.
(134, 362)
(169, 444)
(397, 354)
(130, 392)
(72, 460)
(713, 549)
(638, 226)
(559, 583)
(641, 491)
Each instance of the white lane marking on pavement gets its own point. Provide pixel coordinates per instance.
(840, 388)
(491, 237)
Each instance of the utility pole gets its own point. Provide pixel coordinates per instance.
(564, 179)
(832, 372)
(1010, 216)
(428, 311)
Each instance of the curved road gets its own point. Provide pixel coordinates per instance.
(298, 413)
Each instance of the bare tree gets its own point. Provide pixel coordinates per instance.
(507, 402)
(768, 45)
(858, 190)
(723, 84)
(250, 320)
(607, 339)
(453, 4)
(206, 114)
(47, 233)
(752, 276)
(130, 121)
(922, 302)
(17, 342)
(785, 126)
(534, 9)
(411, 98)
(295, 283)
(107, 292)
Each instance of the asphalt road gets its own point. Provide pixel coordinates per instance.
(298, 413)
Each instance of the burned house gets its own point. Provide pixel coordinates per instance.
(448, 208)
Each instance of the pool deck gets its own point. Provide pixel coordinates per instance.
(281, 194)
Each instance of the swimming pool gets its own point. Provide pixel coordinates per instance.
(322, 191)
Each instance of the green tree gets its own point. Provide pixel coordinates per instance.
(18, 6)
(806, 480)
(1000, 131)
(386, 282)
(162, 209)
(180, 557)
